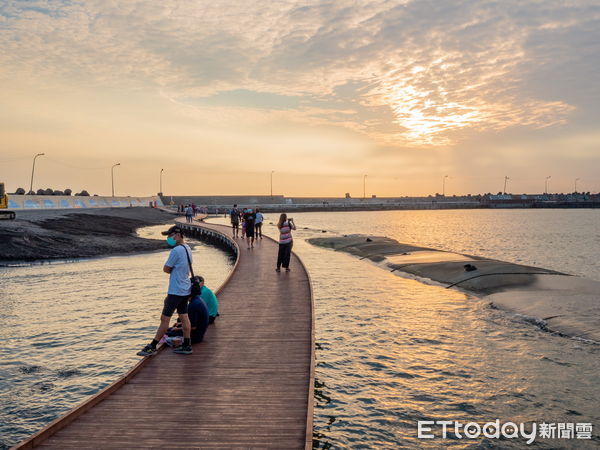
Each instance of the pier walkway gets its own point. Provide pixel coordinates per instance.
(249, 384)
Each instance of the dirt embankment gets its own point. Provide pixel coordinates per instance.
(65, 234)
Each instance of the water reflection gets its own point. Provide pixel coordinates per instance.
(71, 329)
(392, 351)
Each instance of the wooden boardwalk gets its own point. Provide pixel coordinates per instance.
(248, 385)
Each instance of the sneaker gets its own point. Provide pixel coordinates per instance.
(148, 350)
(184, 350)
(174, 341)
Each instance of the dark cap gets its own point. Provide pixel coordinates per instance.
(173, 229)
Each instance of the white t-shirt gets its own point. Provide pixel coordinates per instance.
(179, 278)
(259, 217)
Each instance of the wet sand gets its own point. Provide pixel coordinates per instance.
(66, 234)
(555, 301)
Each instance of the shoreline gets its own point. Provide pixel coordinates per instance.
(55, 235)
(558, 302)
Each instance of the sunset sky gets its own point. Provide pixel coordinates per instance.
(221, 93)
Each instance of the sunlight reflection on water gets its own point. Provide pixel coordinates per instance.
(392, 351)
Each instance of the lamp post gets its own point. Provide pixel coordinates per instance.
(364, 187)
(576, 179)
(272, 172)
(505, 178)
(444, 186)
(546, 185)
(33, 170)
(112, 177)
(161, 171)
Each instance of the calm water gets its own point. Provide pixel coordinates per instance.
(68, 330)
(390, 350)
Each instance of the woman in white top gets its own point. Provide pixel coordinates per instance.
(285, 226)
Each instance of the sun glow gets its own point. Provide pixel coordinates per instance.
(425, 119)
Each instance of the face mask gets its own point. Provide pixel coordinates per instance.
(172, 242)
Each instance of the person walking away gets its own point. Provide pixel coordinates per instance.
(249, 219)
(234, 216)
(258, 223)
(243, 218)
(189, 214)
(178, 268)
(286, 242)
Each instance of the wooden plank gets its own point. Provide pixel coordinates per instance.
(248, 385)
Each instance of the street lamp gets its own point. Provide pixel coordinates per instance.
(444, 186)
(272, 172)
(161, 171)
(33, 170)
(546, 185)
(112, 177)
(505, 178)
(364, 186)
(576, 179)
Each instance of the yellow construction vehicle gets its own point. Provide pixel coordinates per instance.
(4, 213)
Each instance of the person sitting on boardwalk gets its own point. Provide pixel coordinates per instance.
(211, 301)
(234, 215)
(249, 219)
(286, 242)
(198, 315)
(258, 223)
(178, 268)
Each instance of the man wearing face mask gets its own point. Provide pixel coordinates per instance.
(178, 268)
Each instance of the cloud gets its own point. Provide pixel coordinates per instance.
(404, 73)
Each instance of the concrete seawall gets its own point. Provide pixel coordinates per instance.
(33, 202)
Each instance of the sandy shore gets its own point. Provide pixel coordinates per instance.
(66, 234)
(554, 301)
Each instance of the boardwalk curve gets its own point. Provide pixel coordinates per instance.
(248, 385)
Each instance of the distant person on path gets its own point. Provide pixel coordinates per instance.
(249, 219)
(234, 216)
(189, 214)
(178, 268)
(285, 226)
(258, 223)
(209, 297)
(243, 214)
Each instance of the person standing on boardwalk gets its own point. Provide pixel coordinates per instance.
(258, 223)
(178, 294)
(234, 216)
(189, 214)
(285, 226)
(243, 214)
(249, 219)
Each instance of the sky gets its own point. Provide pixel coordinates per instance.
(375, 97)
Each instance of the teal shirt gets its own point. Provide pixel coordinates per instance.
(211, 301)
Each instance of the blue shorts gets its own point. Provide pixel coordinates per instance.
(175, 302)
